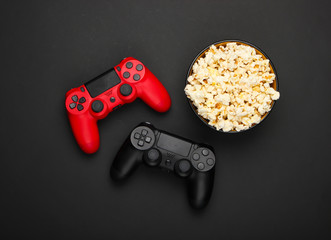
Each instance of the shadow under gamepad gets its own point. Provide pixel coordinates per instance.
(146, 179)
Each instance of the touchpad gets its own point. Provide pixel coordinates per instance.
(174, 144)
(102, 83)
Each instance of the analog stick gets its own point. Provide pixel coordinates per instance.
(125, 89)
(97, 106)
(183, 168)
(153, 157)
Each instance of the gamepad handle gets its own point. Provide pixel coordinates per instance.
(153, 93)
(199, 188)
(126, 161)
(85, 130)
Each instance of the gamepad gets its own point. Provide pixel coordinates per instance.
(97, 98)
(189, 160)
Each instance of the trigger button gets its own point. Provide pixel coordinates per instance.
(118, 69)
(82, 89)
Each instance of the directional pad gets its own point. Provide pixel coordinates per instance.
(77, 102)
(142, 138)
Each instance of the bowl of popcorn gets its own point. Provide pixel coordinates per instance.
(232, 86)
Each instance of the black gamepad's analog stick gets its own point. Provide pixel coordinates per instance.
(183, 168)
(152, 157)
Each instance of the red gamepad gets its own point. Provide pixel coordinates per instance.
(120, 85)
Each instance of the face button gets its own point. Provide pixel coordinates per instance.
(80, 107)
(125, 89)
(129, 65)
(201, 166)
(97, 106)
(136, 77)
(118, 69)
(205, 152)
(196, 156)
(82, 100)
(74, 98)
(137, 135)
(82, 89)
(72, 105)
(112, 99)
(140, 143)
(126, 74)
(139, 67)
(210, 161)
(148, 139)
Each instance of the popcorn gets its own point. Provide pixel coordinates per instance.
(231, 87)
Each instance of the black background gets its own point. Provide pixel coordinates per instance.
(272, 182)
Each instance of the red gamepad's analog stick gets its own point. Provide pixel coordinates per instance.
(95, 99)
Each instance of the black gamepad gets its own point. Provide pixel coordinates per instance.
(192, 161)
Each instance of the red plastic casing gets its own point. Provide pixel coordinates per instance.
(84, 122)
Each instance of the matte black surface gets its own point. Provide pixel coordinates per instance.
(271, 182)
(102, 83)
(199, 180)
(173, 144)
